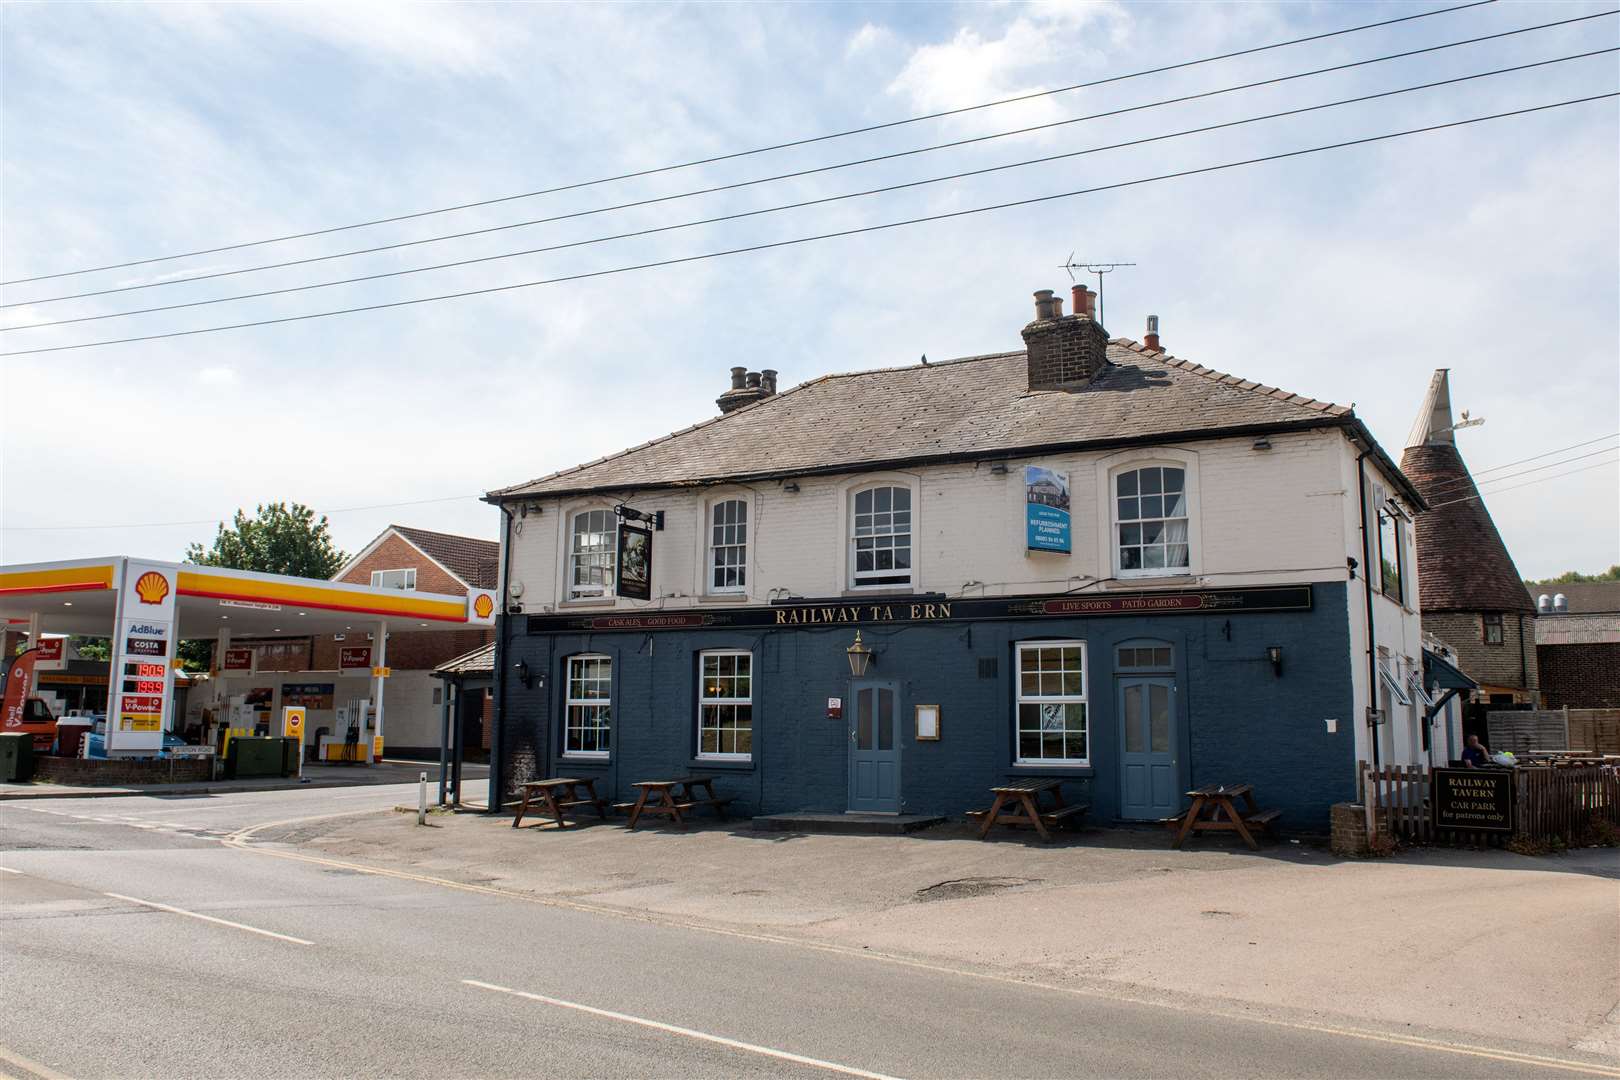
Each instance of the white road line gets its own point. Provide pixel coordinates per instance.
(207, 918)
(10, 1057)
(8, 870)
(671, 1029)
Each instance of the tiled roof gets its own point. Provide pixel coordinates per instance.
(1584, 597)
(477, 562)
(1463, 565)
(481, 661)
(977, 406)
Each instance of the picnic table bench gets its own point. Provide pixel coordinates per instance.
(673, 798)
(1214, 809)
(561, 794)
(1017, 803)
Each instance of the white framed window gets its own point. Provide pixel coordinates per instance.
(588, 706)
(590, 554)
(726, 704)
(880, 536)
(1151, 521)
(728, 546)
(1050, 715)
(394, 579)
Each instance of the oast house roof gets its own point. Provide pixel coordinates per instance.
(975, 407)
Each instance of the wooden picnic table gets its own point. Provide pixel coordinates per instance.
(1018, 803)
(1214, 809)
(673, 798)
(561, 794)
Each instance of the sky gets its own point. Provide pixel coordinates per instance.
(135, 131)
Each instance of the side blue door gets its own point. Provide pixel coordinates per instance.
(1150, 779)
(874, 747)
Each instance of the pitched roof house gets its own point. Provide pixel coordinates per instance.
(1472, 596)
(1080, 560)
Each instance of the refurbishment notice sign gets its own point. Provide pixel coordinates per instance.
(142, 689)
(1477, 799)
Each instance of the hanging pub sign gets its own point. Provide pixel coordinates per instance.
(1046, 509)
(635, 562)
(1480, 800)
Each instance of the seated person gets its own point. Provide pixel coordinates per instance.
(1474, 755)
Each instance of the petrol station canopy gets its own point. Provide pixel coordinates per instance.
(81, 597)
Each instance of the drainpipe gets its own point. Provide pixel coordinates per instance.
(503, 620)
(1366, 581)
(1524, 669)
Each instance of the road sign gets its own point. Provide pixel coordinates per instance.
(292, 722)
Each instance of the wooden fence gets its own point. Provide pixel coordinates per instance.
(1558, 802)
(1594, 730)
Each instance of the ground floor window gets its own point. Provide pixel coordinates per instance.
(1051, 706)
(588, 709)
(725, 704)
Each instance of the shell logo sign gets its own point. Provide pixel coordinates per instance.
(483, 606)
(152, 587)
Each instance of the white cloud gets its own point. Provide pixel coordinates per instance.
(217, 376)
(868, 38)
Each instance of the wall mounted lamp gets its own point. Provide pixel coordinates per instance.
(1274, 654)
(860, 657)
(1262, 443)
(999, 468)
(791, 487)
(525, 676)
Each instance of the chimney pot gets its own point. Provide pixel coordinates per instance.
(738, 374)
(1151, 338)
(1043, 305)
(753, 380)
(767, 381)
(1079, 296)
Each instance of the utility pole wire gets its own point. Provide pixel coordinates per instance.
(794, 242)
(1475, 477)
(1533, 483)
(764, 149)
(796, 174)
(739, 215)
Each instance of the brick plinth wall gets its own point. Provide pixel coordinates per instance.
(1350, 828)
(117, 772)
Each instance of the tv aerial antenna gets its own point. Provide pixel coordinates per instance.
(1098, 268)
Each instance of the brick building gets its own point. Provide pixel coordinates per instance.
(1085, 559)
(1578, 644)
(1472, 597)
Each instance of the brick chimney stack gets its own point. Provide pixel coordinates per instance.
(747, 387)
(1065, 352)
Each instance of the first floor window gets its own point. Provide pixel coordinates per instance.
(726, 704)
(1492, 625)
(588, 709)
(591, 554)
(394, 579)
(728, 546)
(1051, 709)
(1150, 516)
(881, 536)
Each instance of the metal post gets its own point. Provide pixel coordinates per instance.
(421, 798)
(444, 738)
(379, 662)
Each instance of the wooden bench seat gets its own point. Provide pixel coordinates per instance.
(1264, 817)
(1048, 817)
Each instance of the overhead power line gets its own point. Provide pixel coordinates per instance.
(1533, 483)
(1550, 465)
(220, 521)
(796, 241)
(800, 173)
(1475, 477)
(714, 159)
(652, 230)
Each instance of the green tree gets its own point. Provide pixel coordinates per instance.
(277, 539)
(1568, 576)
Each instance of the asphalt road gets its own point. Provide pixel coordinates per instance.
(139, 940)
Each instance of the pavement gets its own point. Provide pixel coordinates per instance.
(391, 771)
(321, 933)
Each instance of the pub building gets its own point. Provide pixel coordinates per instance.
(886, 591)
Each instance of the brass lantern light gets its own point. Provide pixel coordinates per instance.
(860, 657)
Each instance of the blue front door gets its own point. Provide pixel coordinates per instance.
(874, 747)
(1150, 780)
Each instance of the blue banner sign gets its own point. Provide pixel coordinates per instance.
(1046, 509)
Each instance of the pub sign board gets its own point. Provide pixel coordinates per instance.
(1480, 800)
(635, 563)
